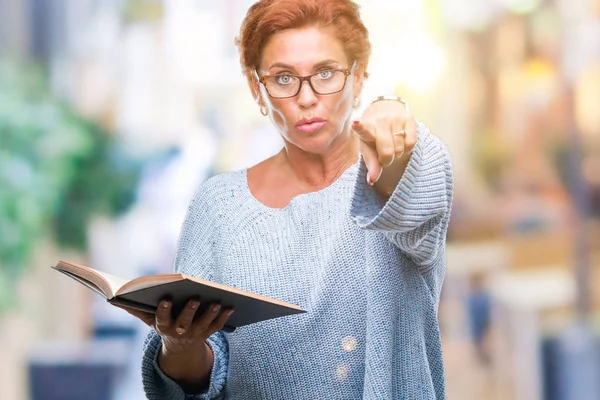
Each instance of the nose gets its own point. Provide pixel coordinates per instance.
(307, 97)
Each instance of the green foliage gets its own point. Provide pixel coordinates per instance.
(103, 182)
(57, 170)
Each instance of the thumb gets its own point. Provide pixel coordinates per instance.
(374, 168)
(145, 317)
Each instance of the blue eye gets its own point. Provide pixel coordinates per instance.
(325, 74)
(284, 79)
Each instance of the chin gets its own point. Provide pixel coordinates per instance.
(314, 143)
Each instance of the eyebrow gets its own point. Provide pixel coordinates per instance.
(317, 65)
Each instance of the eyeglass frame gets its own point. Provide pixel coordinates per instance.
(347, 71)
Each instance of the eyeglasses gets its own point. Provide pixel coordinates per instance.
(327, 81)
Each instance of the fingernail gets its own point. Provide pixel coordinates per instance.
(380, 172)
(180, 330)
(216, 308)
(355, 122)
(164, 304)
(369, 180)
(228, 313)
(194, 304)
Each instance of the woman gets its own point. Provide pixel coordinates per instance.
(356, 241)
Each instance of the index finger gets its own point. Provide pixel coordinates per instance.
(364, 130)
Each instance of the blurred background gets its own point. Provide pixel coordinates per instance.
(113, 111)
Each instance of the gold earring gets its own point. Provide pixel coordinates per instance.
(263, 111)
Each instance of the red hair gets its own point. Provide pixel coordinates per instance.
(268, 17)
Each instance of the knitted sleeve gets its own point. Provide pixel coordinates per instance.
(159, 386)
(415, 217)
(194, 258)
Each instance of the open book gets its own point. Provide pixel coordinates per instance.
(145, 292)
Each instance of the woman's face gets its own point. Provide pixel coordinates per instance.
(310, 121)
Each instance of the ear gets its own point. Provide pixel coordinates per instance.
(259, 100)
(255, 88)
(359, 78)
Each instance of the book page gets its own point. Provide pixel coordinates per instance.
(84, 282)
(145, 282)
(106, 283)
(115, 282)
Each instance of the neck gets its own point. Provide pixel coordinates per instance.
(315, 171)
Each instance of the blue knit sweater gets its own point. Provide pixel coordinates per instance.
(368, 273)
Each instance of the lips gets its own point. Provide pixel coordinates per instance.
(310, 125)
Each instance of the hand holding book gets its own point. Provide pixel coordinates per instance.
(186, 325)
(144, 294)
(185, 357)
(184, 310)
